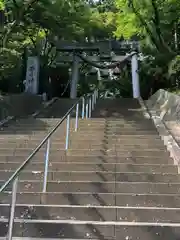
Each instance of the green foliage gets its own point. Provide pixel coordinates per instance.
(174, 73)
(174, 66)
(151, 20)
(27, 26)
(1, 5)
(155, 23)
(127, 24)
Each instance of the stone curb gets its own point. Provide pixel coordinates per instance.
(169, 141)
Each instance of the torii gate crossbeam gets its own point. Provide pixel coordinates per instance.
(104, 49)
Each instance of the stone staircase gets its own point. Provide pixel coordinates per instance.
(116, 181)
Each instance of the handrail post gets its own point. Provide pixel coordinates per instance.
(67, 132)
(93, 101)
(46, 168)
(77, 116)
(90, 107)
(83, 107)
(13, 206)
(86, 110)
(95, 97)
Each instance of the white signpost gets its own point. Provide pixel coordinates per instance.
(32, 75)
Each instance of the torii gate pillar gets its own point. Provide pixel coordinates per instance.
(135, 76)
(74, 77)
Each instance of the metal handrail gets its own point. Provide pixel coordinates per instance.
(91, 101)
(23, 165)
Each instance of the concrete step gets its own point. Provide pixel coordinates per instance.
(76, 145)
(104, 145)
(26, 152)
(95, 176)
(122, 131)
(93, 230)
(21, 129)
(119, 122)
(116, 124)
(147, 177)
(100, 187)
(95, 213)
(74, 198)
(57, 143)
(149, 215)
(116, 152)
(35, 122)
(66, 186)
(96, 199)
(73, 142)
(62, 175)
(106, 167)
(73, 137)
(146, 200)
(127, 160)
(129, 140)
(60, 212)
(145, 188)
(125, 129)
(87, 153)
(115, 135)
(49, 122)
(88, 148)
(109, 130)
(124, 139)
(24, 238)
(59, 231)
(31, 133)
(147, 232)
(93, 159)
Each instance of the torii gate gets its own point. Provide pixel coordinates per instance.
(104, 48)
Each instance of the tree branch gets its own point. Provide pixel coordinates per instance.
(34, 44)
(15, 4)
(46, 42)
(29, 5)
(52, 59)
(17, 21)
(8, 32)
(143, 23)
(156, 21)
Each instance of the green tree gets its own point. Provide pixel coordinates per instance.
(28, 25)
(155, 23)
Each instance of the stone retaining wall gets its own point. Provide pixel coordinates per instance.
(19, 105)
(166, 106)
